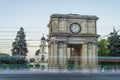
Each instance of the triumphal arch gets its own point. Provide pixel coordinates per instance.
(72, 37)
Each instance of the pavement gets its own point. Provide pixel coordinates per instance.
(37, 75)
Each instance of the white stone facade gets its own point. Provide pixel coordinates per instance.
(41, 55)
(64, 43)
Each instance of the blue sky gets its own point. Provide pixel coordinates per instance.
(33, 15)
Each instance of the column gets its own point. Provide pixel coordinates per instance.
(49, 54)
(96, 54)
(88, 56)
(95, 58)
(60, 54)
(55, 53)
(84, 55)
(52, 55)
(93, 55)
(65, 53)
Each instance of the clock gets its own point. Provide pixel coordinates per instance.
(75, 28)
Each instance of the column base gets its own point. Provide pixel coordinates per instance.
(90, 69)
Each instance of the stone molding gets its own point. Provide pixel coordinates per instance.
(75, 35)
(74, 16)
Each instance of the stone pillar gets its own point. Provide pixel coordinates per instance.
(49, 55)
(55, 53)
(84, 56)
(52, 55)
(89, 56)
(65, 53)
(60, 55)
(93, 55)
(96, 54)
(95, 61)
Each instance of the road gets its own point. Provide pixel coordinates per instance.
(59, 76)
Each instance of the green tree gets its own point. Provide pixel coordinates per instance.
(30, 65)
(4, 54)
(70, 64)
(4, 58)
(103, 48)
(20, 45)
(114, 43)
(37, 65)
(32, 60)
(5, 65)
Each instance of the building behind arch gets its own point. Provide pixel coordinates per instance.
(41, 55)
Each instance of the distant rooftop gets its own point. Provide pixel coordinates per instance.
(74, 16)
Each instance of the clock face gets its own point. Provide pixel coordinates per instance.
(75, 28)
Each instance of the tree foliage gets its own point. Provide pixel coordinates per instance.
(19, 45)
(30, 65)
(70, 64)
(32, 60)
(37, 65)
(4, 54)
(13, 62)
(114, 43)
(103, 48)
